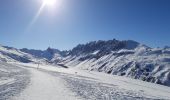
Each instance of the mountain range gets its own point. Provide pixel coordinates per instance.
(124, 58)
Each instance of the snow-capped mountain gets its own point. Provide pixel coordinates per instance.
(123, 58)
(48, 54)
(9, 54)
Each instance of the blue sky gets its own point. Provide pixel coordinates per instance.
(81, 21)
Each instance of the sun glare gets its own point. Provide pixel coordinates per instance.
(49, 2)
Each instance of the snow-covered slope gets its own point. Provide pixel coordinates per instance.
(48, 54)
(9, 54)
(60, 84)
(124, 58)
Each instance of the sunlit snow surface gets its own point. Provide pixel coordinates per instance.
(12, 80)
(56, 83)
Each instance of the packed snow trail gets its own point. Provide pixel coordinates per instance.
(26, 82)
(45, 87)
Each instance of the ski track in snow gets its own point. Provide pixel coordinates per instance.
(41, 84)
(45, 87)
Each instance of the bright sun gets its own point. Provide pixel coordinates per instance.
(49, 2)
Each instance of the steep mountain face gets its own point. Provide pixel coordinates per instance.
(97, 49)
(124, 58)
(103, 47)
